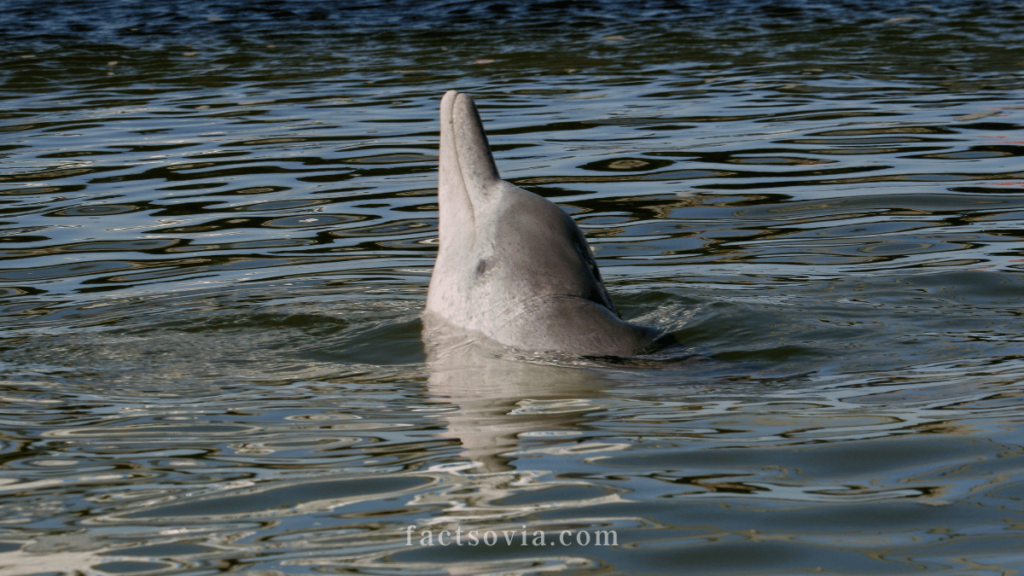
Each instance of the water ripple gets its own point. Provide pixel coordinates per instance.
(218, 221)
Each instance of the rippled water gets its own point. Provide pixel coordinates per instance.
(218, 220)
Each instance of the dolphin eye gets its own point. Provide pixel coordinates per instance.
(481, 267)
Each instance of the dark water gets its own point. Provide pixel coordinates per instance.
(217, 223)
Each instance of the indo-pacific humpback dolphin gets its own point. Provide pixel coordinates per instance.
(512, 265)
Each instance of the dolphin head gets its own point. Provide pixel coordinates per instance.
(511, 264)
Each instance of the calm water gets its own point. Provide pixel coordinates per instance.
(218, 220)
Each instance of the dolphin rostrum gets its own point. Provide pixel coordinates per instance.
(512, 265)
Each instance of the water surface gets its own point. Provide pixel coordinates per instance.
(218, 220)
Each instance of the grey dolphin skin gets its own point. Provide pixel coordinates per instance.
(512, 265)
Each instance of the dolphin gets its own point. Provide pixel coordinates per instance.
(512, 265)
